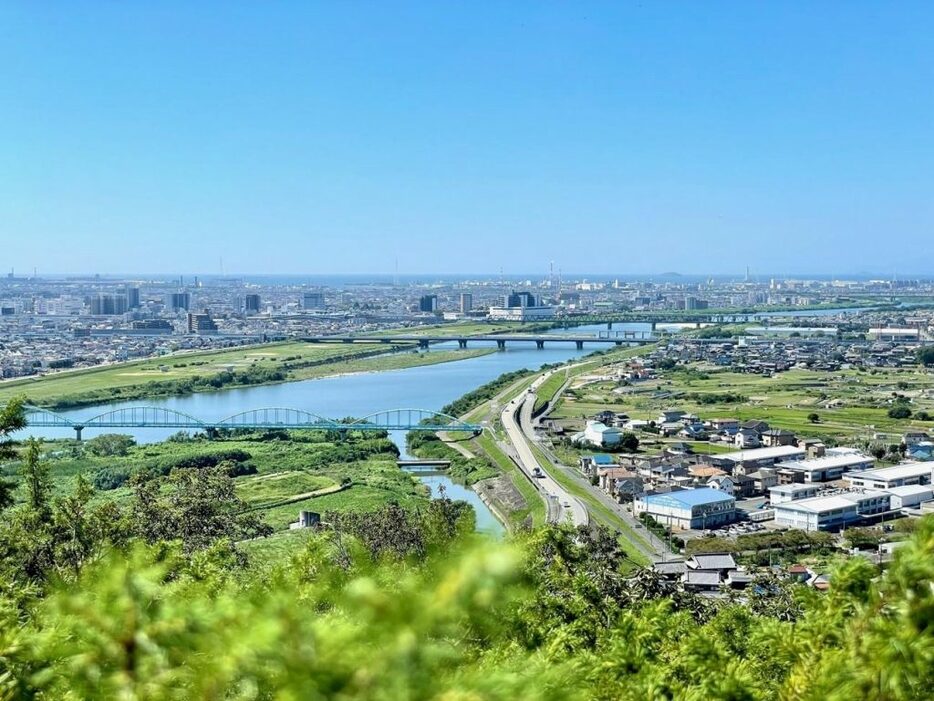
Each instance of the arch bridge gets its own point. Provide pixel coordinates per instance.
(265, 418)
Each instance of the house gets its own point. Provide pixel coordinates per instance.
(724, 483)
(688, 508)
(799, 573)
(912, 437)
(724, 425)
(589, 464)
(670, 569)
(597, 433)
(670, 416)
(671, 428)
(763, 479)
(759, 427)
(721, 562)
(701, 580)
(702, 473)
(777, 436)
(621, 484)
(921, 451)
(693, 432)
(746, 438)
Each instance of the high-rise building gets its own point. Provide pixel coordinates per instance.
(520, 299)
(466, 302)
(201, 323)
(179, 301)
(313, 300)
(108, 305)
(428, 303)
(132, 297)
(251, 304)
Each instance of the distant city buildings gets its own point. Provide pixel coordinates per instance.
(201, 323)
(466, 302)
(313, 300)
(251, 304)
(179, 301)
(428, 303)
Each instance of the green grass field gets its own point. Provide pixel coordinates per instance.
(851, 405)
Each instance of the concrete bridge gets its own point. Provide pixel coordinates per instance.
(267, 418)
(618, 338)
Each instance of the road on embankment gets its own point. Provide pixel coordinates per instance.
(516, 414)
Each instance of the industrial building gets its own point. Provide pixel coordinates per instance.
(886, 478)
(831, 512)
(824, 469)
(746, 461)
(784, 493)
(688, 508)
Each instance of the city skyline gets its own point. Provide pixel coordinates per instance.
(315, 139)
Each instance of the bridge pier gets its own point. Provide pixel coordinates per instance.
(423, 344)
(78, 430)
(501, 345)
(462, 343)
(619, 343)
(609, 325)
(653, 325)
(579, 344)
(540, 345)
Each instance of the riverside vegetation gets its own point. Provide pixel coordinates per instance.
(162, 600)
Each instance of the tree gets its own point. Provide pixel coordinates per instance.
(629, 442)
(37, 481)
(814, 417)
(12, 419)
(899, 411)
(878, 452)
(926, 356)
(199, 507)
(110, 445)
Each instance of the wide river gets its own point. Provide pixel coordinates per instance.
(426, 387)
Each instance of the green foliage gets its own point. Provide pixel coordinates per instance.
(110, 444)
(926, 356)
(197, 506)
(899, 411)
(483, 393)
(814, 417)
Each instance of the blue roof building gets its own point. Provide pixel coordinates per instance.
(688, 508)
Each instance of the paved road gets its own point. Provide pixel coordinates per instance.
(652, 547)
(569, 507)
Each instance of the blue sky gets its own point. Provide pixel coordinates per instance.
(467, 137)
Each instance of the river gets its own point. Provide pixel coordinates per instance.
(426, 387)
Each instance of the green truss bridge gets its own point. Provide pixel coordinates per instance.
(267, 418)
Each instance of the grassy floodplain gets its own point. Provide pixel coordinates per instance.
(187, 372)
(282, 472)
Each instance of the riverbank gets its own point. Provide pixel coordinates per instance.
(217, 370)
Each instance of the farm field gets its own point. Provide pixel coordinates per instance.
(850, 405)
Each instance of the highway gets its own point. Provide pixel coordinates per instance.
(568, 506)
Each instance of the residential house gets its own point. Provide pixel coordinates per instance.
(746, 438)
(589, 464)
(777, 436)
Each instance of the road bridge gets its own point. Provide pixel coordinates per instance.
(618, 338)
(266, 418)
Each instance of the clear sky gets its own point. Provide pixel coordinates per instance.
(618, 137)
